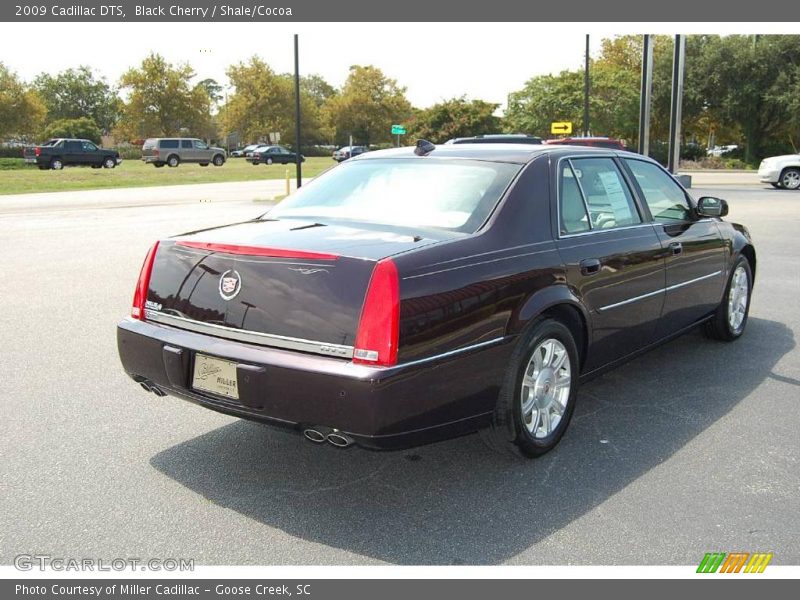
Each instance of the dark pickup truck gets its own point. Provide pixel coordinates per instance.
(61, 152)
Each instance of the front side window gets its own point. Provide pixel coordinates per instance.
(664, 197)
(89, 147)
(200, 145)
(454, 194)
(608, 199)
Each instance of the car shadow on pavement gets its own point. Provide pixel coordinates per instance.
(457, 502)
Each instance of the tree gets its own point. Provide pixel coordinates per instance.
(456, 117)
(22, 111)
(213, 89)
(317, 88)
(162, 102)
(746, 80)
(367, 106)
(263, 102)
(83, 128)
(77, 93)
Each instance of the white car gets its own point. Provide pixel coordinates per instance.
(721, 150)
(781, 171)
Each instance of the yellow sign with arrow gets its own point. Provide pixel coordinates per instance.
(561, 127)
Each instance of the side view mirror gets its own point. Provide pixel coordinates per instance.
(708, 206)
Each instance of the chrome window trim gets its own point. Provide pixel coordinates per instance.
(251, 337)
(656, 292)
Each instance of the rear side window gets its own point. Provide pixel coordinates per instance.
(572, 208)
(73, 146)
(664, 197)
(605, 192)
(186, 144)
(169, 143)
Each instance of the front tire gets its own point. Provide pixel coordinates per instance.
(109, 163)
(219, 160)
(268, 161)
(790, 179)
(730, 318)
(538, 396)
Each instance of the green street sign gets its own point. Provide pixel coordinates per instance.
(398, 130)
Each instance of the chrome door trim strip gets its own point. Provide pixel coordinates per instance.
(691, 281)
(661, 291)
(630, 300)
(251, 337)
(450, 353)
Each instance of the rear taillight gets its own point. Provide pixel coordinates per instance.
(37, 151)
(379, 328)
(140, 295)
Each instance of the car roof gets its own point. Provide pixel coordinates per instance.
(514, 153)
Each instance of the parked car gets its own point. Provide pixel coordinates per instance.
(242, 152)
(498, 138)
(346, 152)
(719, 151)
(63, 152)
(594, 142)
(273, 154)
(782, 172)
(414, 294)
(174, 151)
(258, 148)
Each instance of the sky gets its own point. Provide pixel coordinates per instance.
(434, 61)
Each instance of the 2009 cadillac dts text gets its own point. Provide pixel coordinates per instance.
(414, 294)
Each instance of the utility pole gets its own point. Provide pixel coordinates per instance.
(298, 158)
(678, 68)
(644, 96)
(586, 92)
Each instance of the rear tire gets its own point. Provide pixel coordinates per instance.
(56, 164)
(173, 161)
(219, 160)
(730, 318)
(203, 164)
(158, 165)
(790, 179)
(538, 396)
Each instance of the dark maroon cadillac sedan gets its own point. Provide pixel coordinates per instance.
(420, 293)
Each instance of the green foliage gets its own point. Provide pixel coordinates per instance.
(263, 102)
(77, 93)
(367, 106)
(456, 117)
(162, 101)
(22, 111)
(83, 128)
(12, 164)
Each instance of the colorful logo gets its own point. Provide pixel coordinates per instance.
(734, 562)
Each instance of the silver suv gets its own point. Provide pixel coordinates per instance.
(174, 151)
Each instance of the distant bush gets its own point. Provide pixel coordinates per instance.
(714, 162)
(129, 152)
(11, 152)
(82, 128)
(9, 164)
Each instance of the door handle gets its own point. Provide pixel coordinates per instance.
(676, 248)
(590, 266)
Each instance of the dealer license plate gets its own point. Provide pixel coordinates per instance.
(216, 376)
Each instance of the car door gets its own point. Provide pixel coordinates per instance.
(694, 249)
(614, 260)
(202, 151)
(91, 154)
(188, 152)
(73, 152)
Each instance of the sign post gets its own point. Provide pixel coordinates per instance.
(561, 127)
(398, 130)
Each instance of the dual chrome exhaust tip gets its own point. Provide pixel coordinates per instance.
(151, 387)
(333, 436)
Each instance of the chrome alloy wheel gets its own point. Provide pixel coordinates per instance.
(791, 179)
(545, 388)
(738, 296)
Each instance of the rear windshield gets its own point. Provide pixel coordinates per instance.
(149, 143)
(456, 194)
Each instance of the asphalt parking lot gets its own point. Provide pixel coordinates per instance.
(689, 449)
